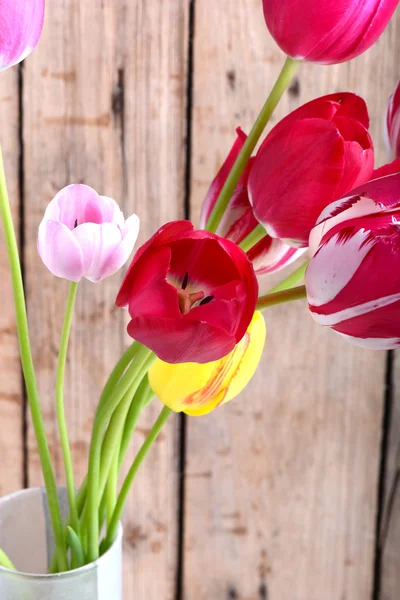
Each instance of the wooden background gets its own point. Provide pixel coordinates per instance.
(289, 493)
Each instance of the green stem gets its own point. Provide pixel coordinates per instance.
(76, 547)
(29, 372)
(123, 495)
(289, 282)
(253, 238)
(297, 293)
(103, 416)
(112, 439)
(5, 561)
(142, 398)
(279, 88)
(111, 487)
(62, 424)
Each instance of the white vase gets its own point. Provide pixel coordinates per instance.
(26, 537)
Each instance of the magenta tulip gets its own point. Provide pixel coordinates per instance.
(352, 280)
(327, 31)
(191, 294)
(267, 255)
(313, 156)
(21, 23)
(392, 123)
(83, 234)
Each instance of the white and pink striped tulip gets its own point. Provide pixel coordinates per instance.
(392, 123)
(352, 281)
(269, 254)
(21, 23)
(83, 234)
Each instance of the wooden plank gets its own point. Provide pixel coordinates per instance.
(11, 396)
(389, 538)
(105, 104)
(281, 485)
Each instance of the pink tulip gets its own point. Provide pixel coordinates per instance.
(83, 234)
(327, 31)
(392, 123)
(313, 156)
(238, 221)
(21, 23)
(352, 281)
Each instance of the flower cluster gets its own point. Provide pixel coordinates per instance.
(192, 295)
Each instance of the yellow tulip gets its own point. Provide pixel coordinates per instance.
(197, 389)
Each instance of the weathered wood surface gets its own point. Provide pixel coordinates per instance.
(104, 104)
(282, 486)
(11, 397)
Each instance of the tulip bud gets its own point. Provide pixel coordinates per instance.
(198, 389)
(327, 31)
(21, 25)
(392, 123)
(83, 234)
(269, 254)
(352, 280)
(313, 156)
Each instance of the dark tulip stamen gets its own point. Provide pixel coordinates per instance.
(76, 223)
(185, 281)
(206, 300)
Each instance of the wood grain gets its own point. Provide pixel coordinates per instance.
(11, 395)
(389, 535)
(281, 485)
(104, 104)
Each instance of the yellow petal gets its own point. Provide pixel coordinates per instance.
(198, 389)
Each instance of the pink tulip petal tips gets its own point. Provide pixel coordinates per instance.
(21, 24)
(352, 280)
(327, 31)
(83, 234)
(392, 123)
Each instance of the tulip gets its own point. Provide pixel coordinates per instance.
(313, 156)
(327, 31)
(21, 26)
(352, 280)
(269, 254)
(392, 123)
(390, 169)
(190, 294)
(198, 389)
(83, 234)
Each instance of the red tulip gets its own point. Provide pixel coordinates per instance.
(238, 221)
(352, 281)
(191, 294)
(315, 155)
(327, 31)
(390, 169)
(392, 123)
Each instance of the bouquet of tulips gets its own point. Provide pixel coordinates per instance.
(310, 192)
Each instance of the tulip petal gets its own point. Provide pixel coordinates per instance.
(329, 32)
(60, 251)
(98, 243)
(299, 184)
(198, 341)
(21, 26)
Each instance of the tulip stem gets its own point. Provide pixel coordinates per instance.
(148, 443)
(253, 238)
(297, 293)
(29, 371)
(289, 282)
(103, 415)
(62, 424)
(283, 81)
